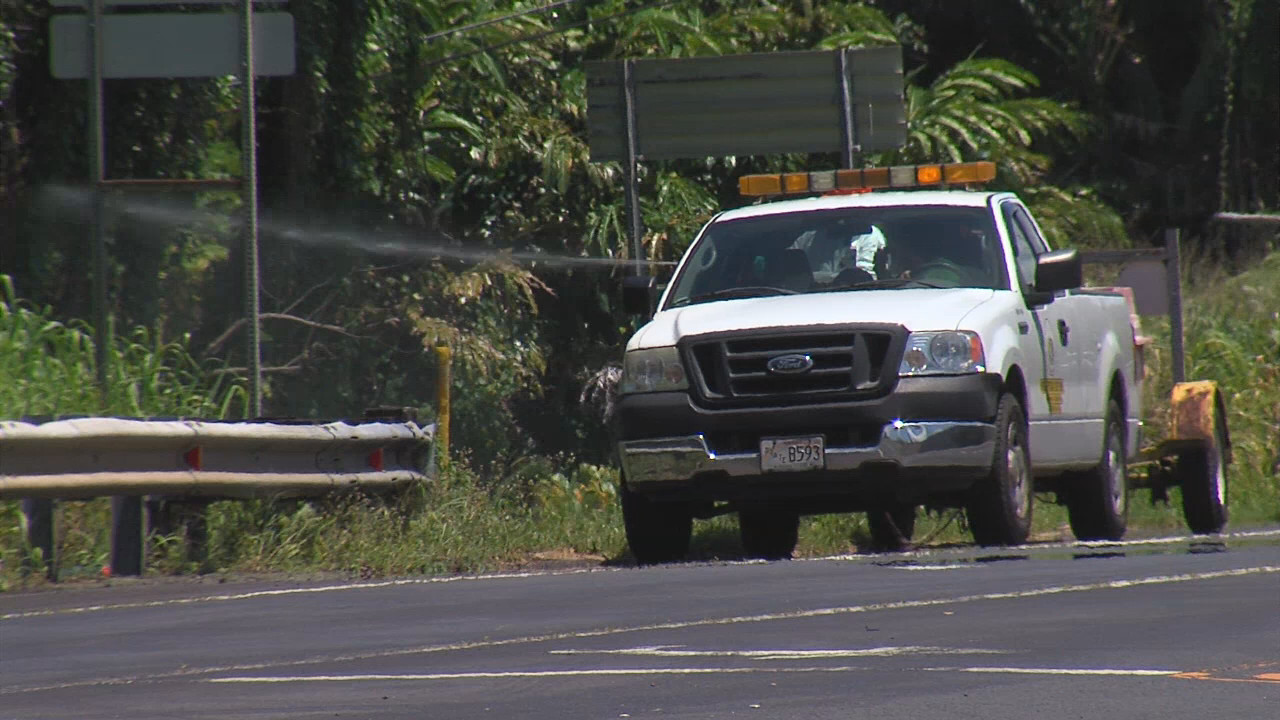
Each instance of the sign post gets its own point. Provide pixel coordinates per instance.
(249, 192)
(98, 232)
(98, 46)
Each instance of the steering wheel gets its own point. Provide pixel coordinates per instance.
(943, 271)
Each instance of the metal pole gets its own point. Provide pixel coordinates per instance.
(632, 170)
(444, 380)
(249, 189)
(1173, 268)
(848, 127)
(97, 221)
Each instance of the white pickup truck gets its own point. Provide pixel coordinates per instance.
(875, 352)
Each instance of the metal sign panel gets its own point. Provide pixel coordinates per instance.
(879, 106)
(1149, 279)
(85, 4)
(747, 104)
(171, 45)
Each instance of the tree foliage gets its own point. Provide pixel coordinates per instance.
(425, 173)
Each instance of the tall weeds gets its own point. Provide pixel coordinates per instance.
(1232, 336)
(49, 370)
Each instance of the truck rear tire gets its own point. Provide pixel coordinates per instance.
(1000, 504)
(657, 532)
(1098, 502)
(892, 527)
(768, 535)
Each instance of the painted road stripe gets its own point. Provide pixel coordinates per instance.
(681, 651)
(580, 571)
(679, 625)
(1073, 544)
(589, 672)
(1057, 671)
(300, 591)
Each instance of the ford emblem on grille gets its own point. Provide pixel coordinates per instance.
(792, 364)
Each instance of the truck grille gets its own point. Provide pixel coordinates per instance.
(841, 364)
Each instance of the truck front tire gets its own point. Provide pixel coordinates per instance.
(1000, 504)
(1098, 502)
(657, 532)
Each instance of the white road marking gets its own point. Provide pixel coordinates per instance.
(680, 651)
(299, 591)
(1058, 671)
(605, 672)
(678, 625)
(1086, 544)
(955, 566)
(555, 573)
(533, 674)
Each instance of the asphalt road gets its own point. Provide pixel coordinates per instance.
(1170, 628)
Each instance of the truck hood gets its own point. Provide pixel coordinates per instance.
(913, 308)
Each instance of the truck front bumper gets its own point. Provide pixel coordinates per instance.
(929, 437)
(907, 446)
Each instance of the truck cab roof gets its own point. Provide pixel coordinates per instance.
(955, 198)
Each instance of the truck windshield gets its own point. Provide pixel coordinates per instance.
(844, 249)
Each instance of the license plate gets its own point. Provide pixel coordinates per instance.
(791, 454)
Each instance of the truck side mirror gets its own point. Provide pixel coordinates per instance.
(639, 293)
(1059, 270)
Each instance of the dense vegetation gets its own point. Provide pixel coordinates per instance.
(425, 149)
(547, 510)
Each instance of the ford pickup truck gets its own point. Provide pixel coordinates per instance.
(875, 351)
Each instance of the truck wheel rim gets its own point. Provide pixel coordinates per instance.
(1115, 465)
(1016, 464)
(1216, 473)
(1119, 496)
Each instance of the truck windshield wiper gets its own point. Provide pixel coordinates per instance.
(734, 292)
(880, 284)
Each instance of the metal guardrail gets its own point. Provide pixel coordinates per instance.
(92, 457)
(189, 463)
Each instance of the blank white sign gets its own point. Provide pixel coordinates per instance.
(171, 45)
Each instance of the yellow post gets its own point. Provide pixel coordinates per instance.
(443, 381)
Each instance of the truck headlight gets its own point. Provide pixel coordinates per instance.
(947, 352)
(654, 370)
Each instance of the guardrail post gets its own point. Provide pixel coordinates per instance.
(126, 535)
(444, 380)
(1173, 263)
(39, 514)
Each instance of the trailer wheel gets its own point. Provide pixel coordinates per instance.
(657, 532)
(892, 527)
(768, 535)
(1098, 503)
(999, 507)
(1202, 473)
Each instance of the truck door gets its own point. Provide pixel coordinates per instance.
(1053, 397)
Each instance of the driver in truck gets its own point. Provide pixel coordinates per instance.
(950, 254)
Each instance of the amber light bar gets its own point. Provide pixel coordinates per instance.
(898, 176)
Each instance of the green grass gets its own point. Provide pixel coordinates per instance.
(548, 511)
(49, 371)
